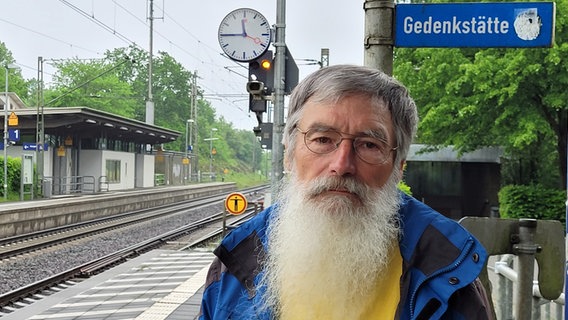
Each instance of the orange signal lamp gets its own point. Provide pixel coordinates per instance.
(266, 64)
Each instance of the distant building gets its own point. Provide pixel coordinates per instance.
(81, 144)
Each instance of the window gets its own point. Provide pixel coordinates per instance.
(113, 171)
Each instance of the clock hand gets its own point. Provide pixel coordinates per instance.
(255, 39)
(232, 34)
(243, 26)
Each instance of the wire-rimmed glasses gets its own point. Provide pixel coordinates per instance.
(369, 149)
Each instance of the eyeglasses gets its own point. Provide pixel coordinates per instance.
(369, 149)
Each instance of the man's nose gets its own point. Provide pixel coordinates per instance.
(343, 158)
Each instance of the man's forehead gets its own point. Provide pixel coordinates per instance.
(345, 109)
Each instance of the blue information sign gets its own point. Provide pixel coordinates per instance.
(482, 25)
(14, 134)
(32, 146)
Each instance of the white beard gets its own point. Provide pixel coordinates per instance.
(327, 252)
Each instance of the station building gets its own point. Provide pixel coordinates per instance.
(75, 148)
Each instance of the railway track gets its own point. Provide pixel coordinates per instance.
(31, 242)
(28, 294)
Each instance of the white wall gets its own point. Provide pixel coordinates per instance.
(127, 168)
(145, 167)
(93, 163)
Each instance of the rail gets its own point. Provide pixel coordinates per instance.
(9, 299)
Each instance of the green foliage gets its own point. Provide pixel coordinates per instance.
(245, 180)
(514, 98)
(404, 188)
(535, 202)
(92, 84)
(14, 174)
(16, 83)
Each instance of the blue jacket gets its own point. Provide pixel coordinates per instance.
(441, 264)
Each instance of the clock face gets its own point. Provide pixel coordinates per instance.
(244, 34)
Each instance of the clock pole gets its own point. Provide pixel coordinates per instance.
(279, 82)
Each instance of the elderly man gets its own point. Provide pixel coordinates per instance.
(342, 242)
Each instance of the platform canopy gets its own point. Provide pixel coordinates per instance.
(87, 122)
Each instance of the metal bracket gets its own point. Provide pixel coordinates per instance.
(501, 236)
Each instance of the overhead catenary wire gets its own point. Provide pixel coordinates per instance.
(207, 61)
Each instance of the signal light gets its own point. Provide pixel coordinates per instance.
(260, 69)
(266, 64)
(260, 84)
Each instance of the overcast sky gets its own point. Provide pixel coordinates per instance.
(186, 29)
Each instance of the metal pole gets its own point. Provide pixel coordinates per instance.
(6, 106)
(186, 149)
(40, 130)
(150, 101)
(211, 153)
(190, 122)
(279, 85)
(379, 40)
(195, 151)
(6, 136)
(525, 251)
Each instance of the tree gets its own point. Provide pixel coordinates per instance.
(93, 84)
(118, 84)
(16, 83)
(514, 98)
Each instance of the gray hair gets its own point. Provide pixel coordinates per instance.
(333, 83)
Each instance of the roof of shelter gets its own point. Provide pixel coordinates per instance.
(449, 154)
(87, 122)
(15, 101)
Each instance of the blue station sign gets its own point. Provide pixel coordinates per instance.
(27, 146)
(481, 25)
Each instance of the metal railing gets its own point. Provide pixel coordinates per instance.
(68, 185)
(507, 279)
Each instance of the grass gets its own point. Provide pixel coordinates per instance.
(245, 180)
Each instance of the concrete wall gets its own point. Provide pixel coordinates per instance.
(20, 218)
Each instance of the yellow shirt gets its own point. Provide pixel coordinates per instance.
(387, 292)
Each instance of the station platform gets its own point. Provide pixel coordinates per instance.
(158, 285)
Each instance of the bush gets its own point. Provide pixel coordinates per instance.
(404, 188)
(534, 202)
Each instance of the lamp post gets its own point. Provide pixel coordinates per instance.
(6, 104)
(188, 143)
(211, 152)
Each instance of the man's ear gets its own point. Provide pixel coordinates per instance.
(287, 167)
(402, 165)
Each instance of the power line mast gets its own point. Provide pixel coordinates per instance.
(194, 124)
(150, 100)
(40, 126)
